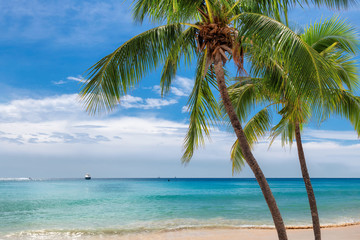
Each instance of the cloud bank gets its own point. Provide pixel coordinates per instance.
(53, 137)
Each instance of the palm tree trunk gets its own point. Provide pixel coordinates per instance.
(309, 189)
(251, 161)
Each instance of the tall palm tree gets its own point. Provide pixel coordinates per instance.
(215, 33)
(336, 41)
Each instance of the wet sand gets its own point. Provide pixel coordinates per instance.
(328, 233)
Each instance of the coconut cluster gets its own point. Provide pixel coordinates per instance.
(216, 38)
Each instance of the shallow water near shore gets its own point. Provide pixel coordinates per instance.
(75, 208)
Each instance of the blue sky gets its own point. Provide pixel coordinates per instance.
(45, 47)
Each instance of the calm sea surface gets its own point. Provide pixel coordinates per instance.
(44, 209)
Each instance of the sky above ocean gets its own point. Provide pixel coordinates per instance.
(46, 46)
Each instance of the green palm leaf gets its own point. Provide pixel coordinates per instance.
(203, 110)
(117, 73)
(347, 69)
(324, 33)
(344, 104)
(244, 95)
(167, 10)
(332, 3)
(306, 68)
(184, 46)
(254, 129)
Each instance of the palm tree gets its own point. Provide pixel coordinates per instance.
(215, 33)
(336, 41)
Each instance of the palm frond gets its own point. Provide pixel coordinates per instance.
(237, 158)
(346, 67)
(117, 73)
(286, 129)
(171, 11)
(349, 108)
(203, 108)
(338, 4)
(267, 7)
(244, 96)
(306, 68)
(344, 104)
(184, 46)
(254, 129)
(324, 33)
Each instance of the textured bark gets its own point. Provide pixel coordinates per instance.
(307, 181)
(251, 161)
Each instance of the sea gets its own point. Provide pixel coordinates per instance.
(74, 208)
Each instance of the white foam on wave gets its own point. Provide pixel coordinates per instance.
(143, 227)
(340, 221)
(44, 235)
(15, 179)
(138, 227)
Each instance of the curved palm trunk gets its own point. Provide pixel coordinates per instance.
(309, 189)
(251, 161)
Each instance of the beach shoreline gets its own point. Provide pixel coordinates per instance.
(345, 231)
(349, 231)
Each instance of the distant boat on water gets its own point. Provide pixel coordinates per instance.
(87, 176)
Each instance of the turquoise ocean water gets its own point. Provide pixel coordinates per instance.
(54, 208)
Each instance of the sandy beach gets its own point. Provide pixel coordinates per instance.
(328, 233)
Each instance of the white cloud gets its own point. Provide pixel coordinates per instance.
(66, 106)
(39, 110)
(157, 103)
(156, 89)
(328, 134)
(186, 84)
(178, 92)
(60, 82)
(55, 133)
(129, 101)
(185, 109)
(76, 79)
(79, 79)
(181, 87)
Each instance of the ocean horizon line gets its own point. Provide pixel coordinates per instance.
(167, 178)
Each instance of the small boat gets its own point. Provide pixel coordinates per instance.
(87, 176)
